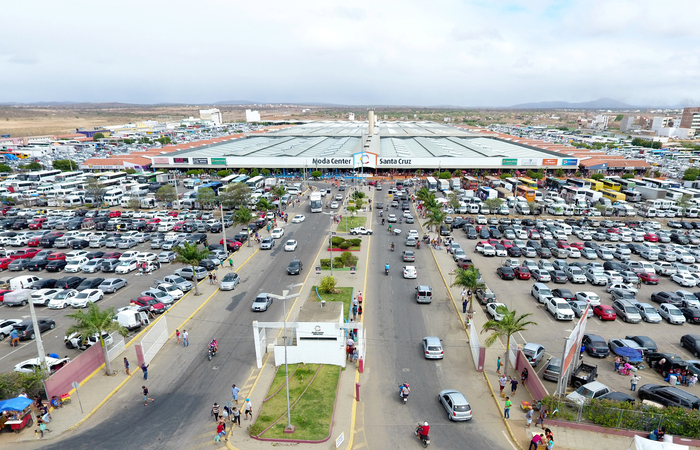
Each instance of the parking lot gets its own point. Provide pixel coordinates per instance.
(551, 333)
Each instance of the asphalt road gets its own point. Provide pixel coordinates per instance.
(396, 326)
(183, 382)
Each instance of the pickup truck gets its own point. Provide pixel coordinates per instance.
(360, 230)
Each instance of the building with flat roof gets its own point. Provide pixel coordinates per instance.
(334, 145)
(691, 118)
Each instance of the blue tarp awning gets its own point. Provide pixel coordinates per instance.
(629, 352)
(15, 404)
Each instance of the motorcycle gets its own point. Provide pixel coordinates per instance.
(425, 440)
(418, 245)
(386, 271)
(211, 353)
(392, 246)
(403, 397)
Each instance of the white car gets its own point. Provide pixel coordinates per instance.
(62, 299)
(127, 266)
(574, 252)
(491, 310)
(410, 272)
(173, 291)
(501, 251)
(290, 245)
(277, 233)
(92, 265)
(76, 265)
(127, 256)
(664, 268)
(334, 205)
(86, 296)
(684, 279)
(32, 365)
(560, 309)
(166, 257)
(76, 254)
(146, 256)
(622, 286)
(6, 327)
(299, 218)
(589, 297)
(488, 250)
(43, 296)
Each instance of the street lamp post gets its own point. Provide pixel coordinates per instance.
(330, 238)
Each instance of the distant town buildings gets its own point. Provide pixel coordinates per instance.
(627, 123)
(351, 116)
(691, 118)
(252, 116)
(214, 115)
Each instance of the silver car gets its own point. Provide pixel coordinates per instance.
(166, 257)
(578, 307)
(229, 282)
(648, 312)
(432, 348)
(112, 285)
(455, 404)
(262, 302)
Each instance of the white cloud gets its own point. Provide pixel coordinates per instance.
(455, 52)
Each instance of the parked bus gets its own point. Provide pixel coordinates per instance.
(316, 202)
(230, 178)
(595, 184)
(632, 196)
(488, 180)
(614, 196)
(526, 192)
(469, 183)
(256, 182)
(240, 179)
(503, 193)
(214, 186)
(21, 186)
(626, 183)
(528, 182)
(485, 192)
(555, 183)
(432, 184)
(72, 185)
(67, 176)
(571, 194)
(43, 176)
(611, 185)
(660, 184)
(579, 183)
(119, 176)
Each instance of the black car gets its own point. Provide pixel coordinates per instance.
(90, 283)
(495, 234)
(444, 231)
(564, 293)
(506, 273)
(672, 362)
(669, 396)
(617, 397)
(595, 345)
(691, 342)
(692, 315)
(79, 244)
(208, 264)
(514, 251)
(533, 244)
(613, 265)
(69, 282)
(295, 267)
(20, 224)
(216, 228)
(240, 237)
(667, 297)
(636, 248)
(470, 232)
(680, 238)
(44, 283)
(25, 328)
(39, 264)
(543, 252)
(644, 342)
(95, 255)
(56, 265)
(47, 241)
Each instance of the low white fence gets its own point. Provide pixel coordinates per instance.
(156, 337)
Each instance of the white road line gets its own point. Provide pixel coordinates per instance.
(508, 440)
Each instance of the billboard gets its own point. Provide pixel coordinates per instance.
(218, 161)
(200, 161)
(509, 162)
(572, 349)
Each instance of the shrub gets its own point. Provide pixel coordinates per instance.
(356, 242)
(345, 245)
(348, 259)
(627, 176)
(337, 264)
(597, 176)
(326, 263)
(337, 240)
(327, 285)
(13, 383)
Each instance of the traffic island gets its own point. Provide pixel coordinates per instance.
(349, 222)
(313, 389)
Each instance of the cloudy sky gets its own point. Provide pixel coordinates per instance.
(446, 52)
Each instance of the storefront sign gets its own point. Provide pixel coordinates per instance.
(161, 160)
(218, 161)
(181, 160)
(317, 331)
(569, 162)
(530, 161)
(509, 162)
(200, 161)
(550, 162)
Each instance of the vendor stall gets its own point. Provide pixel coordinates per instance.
(16, 413)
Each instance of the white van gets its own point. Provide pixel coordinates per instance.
(131, 319)
(23, 282)
(72, 200)
(113, 197)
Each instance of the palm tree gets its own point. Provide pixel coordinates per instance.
(96, 321)
(423, 194)
(192, 255)
(470, 280)
(435, 217)
(265, 205)
(506, 327)
(279, 190)
(244, 216)
(533, 207)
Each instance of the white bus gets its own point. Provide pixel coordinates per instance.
(230, 178)
(119, 176)
(42, 176)
(256, 182)
(68, 176)
(74, 184)
(316, 202)
(432, 184)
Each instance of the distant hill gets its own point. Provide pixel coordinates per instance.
(603, 103)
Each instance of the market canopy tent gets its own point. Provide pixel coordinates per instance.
(646, 444)
(15, 404)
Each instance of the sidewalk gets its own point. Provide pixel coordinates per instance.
(98, 387)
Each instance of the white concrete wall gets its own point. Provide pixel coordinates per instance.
(313, 352)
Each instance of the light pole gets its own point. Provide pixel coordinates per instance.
(330, 237)
(284, 297)
(223, 228)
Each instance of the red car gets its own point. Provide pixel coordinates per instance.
(648, 278)
(154, 220)
(493, 242)
(173, 213)
(24, 253)
(5, 262)
(604, 312)
(563, 244)
(149, 302)
(231, 244)
(115, 214)
(614, 230)
(37, 224)
(651, 237)
(578, 245)
(178, 226)
(522, 272)
(112, 255)
(506, 243)
(2, 294)
(33, 242)
(533, 234)
(56, 256)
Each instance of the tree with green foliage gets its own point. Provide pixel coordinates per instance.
(4, 168)
(358, 194)
(191, 255)
(597, 176)
(427, 197)
(457, 174)
(223, 173)
(164, 140)
(503, 176)
(130, 170)
(12, 384)
(684, 202)
(327, 285)
(559, 173)
(264, 204)
(94, 189)
(242, 171)
(506, 328)
(316, 174)
(32, 166)
(206, 197)
(436, 174)
(493, 204)
(533, 206)
(279, 190)
(470, 280)
(244, 216)
(254, 173)
(64, 165)
(627, 176)
(134, 204)
(535, 175)
(167, 194)
(445, 175)
(96, 322)
(619, 117)
(265, 172)
(691, 174)
(237, 194)
(435, 217)
(453, 200)
(98, 136)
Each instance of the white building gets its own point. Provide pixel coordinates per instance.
(601, 122)
(252, 116)
(213, 115)
(351, 116)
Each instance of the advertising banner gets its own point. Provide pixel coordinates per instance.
(200, 161)
(550, 162)
(509, 162)
(218, 161)
(181, 160)
(161, 160)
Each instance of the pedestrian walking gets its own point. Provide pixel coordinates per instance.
(215, 410)
(513, 385)
(633, 382)
(126, 366)
(639, 283)
(502, 383)
(464, 294)
(144, 369)
(42, 427)
(230, 263)
(248, 409)
(236, 417)
(214, 275)
(185, 338)
(523, 376)
(359, 297)
(618, 362)
(528, 416)
(211, 278)
(498, 365)
(178, 337)
(220, 432)
(354, 313)
(226, 413)
(359, 312)
(234, 393)
(146, 398)
(543, 415)
(506, 408)
(355, 302)
(464, 305)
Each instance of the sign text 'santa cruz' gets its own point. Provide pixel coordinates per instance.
(331, 161)
(394, 161)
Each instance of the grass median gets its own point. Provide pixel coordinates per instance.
(313, 400)
(342, 294)
(348, 222)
